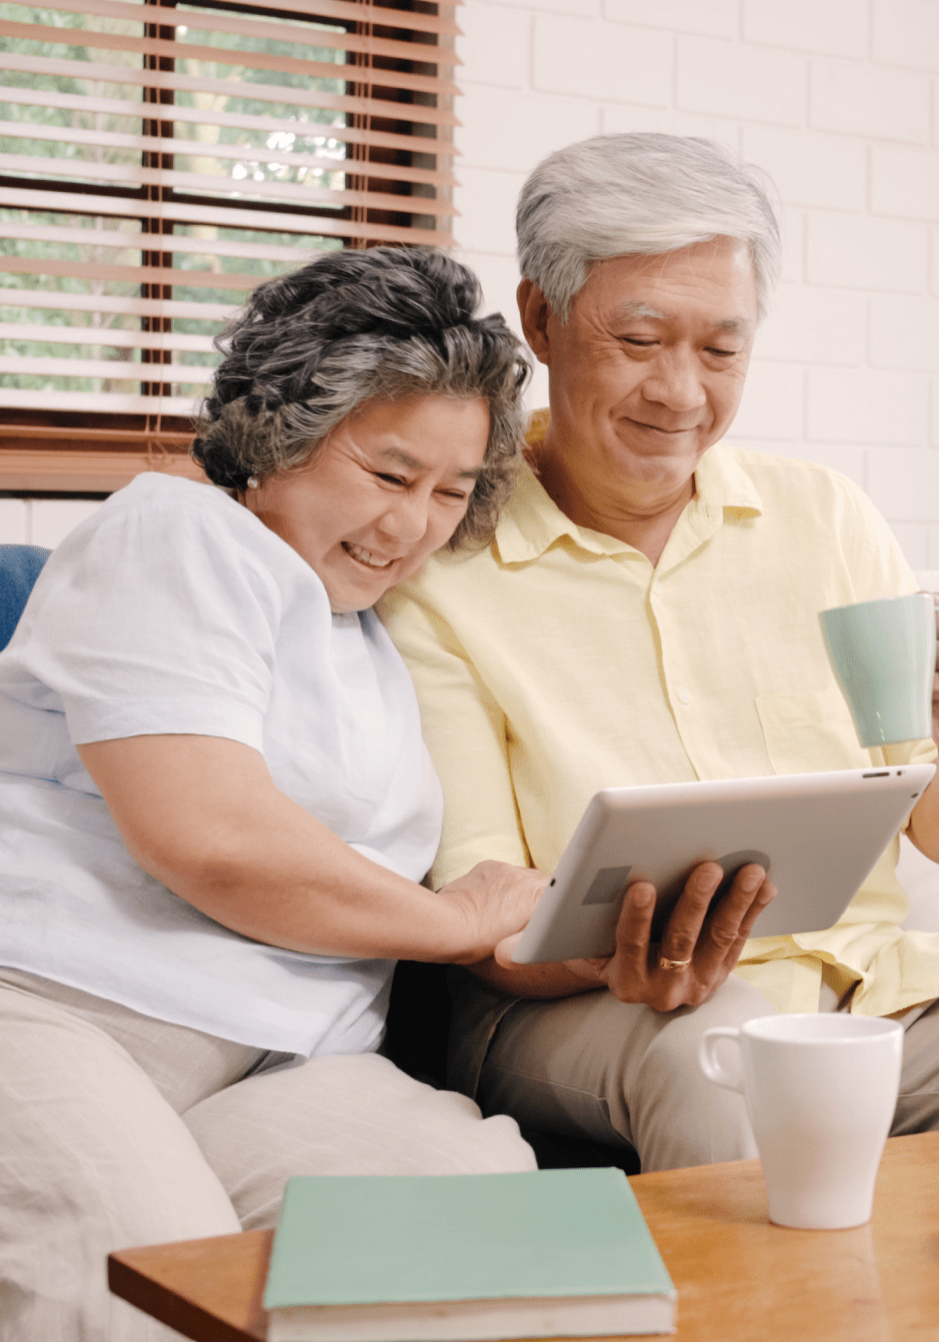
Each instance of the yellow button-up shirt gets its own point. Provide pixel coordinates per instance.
(558, 661)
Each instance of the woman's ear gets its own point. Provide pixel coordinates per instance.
(534, 311)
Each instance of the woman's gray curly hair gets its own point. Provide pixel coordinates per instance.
(312, 346)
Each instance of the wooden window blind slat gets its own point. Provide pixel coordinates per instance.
(298, 192)
(435, 20)
(114, 338)
(218, 22)
(132, 305)
(165, 81)
(154, 48)
(155, 145)
(118, 238)
(209, 213)
(354, 135)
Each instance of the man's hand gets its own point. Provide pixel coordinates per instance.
(935, 682)
(700, 944)
(924, 822)
(935, 679)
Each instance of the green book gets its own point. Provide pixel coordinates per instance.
(385, 1258)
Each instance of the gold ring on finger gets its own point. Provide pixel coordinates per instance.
(665, 963)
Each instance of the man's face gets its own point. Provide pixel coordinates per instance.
(648, 371)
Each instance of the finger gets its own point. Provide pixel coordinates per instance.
(764, 897)
(591, 971)
(716, 955)
(686, 920)
(504, 950)
(732, 918)
(629, 967)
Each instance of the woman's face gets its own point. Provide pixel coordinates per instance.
(387, 487)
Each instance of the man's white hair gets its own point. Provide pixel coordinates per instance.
(640, 193)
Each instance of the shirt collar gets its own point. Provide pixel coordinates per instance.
(531, 522)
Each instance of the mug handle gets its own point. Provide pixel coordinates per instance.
(731, 1078)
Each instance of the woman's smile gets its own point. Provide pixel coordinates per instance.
(365, 557)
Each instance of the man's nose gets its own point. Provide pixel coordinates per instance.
(676, 381)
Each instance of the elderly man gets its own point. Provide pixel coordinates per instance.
(648, 613)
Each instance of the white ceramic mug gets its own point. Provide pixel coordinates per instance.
(883, 654)
(821, 1091)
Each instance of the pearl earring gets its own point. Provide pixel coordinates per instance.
(252, 482)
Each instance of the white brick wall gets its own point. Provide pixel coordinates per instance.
(828, 27)
(810, 168)
(906, 33)
(860, 405)
(863, 252)
(572, 56)
(749, 82)
(839, 101)
(904, 332)
(905, 182)
(715, 18)
(859, 98)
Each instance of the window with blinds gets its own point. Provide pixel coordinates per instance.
(157, 161)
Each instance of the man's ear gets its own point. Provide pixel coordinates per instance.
(534, 312)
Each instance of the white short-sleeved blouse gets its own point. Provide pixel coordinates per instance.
(174, 610)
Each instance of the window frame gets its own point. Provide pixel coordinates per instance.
(95, 452)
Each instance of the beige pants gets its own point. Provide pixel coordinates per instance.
(592, 1067)
(118, 1130)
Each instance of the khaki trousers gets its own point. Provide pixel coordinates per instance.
(119, 1130)
(592, 1067)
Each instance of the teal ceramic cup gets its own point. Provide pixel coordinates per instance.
(883, 654)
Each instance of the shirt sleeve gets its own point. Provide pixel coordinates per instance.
(466, 733)
(157, 618)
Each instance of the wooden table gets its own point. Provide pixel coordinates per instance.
(739, 1278)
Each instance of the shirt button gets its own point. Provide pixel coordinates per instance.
(684, 697)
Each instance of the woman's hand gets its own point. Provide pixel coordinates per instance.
(497, 900)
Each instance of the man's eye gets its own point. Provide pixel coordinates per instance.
(640, 344)
(391, 479)
(723, 353)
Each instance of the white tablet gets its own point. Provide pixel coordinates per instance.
(818, 836)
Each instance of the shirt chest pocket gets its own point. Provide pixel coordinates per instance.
(809, 732)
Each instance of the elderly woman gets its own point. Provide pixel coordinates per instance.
(218, 806)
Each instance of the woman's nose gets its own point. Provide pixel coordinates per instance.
(406, 518)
